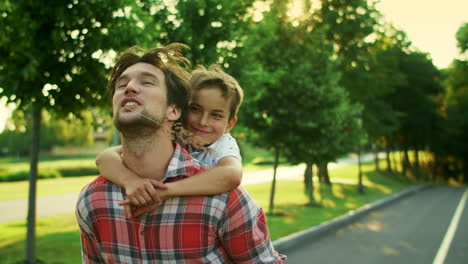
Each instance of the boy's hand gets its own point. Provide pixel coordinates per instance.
(142, 197)
(142, 192)
(134, 212)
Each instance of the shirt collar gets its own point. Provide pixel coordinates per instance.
(182, 164)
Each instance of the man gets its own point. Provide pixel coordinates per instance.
(149, 92)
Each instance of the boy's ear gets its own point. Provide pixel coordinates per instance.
(173, 113)
(230, 124)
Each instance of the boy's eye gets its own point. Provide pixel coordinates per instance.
(217, 116)
(194, 109)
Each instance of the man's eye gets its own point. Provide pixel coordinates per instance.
(121, 86)
(148, 83)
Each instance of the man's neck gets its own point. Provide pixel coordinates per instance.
(148, 156)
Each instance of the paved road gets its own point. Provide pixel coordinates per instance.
(65, 203)
(410, 230)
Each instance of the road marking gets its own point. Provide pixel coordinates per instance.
(444, 247)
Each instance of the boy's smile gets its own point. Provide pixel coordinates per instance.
(208, 115)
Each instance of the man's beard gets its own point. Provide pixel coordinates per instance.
(142, 125)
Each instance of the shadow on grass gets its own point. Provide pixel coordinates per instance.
(63, 248)
(332, 200)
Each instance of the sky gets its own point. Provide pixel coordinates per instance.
(431, 25)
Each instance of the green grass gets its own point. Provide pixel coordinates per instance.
(58, 236)
(58, 240)
(19, 190)
(14, 165)
(45, 187)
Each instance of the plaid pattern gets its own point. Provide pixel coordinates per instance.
(224, 228)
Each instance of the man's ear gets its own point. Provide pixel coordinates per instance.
(173, 113)
(230, 124)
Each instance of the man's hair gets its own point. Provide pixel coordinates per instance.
(169, 60)
(214, 76)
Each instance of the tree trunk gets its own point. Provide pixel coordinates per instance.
(360, 186)
(387, 152)
(416, 157)
(435, 167)
(31, 218)
(375, 148)
(402, 162)
(405, 160)
(393, 156)
(322, 169)
(273, 184)
(308, 183)
(465, 172)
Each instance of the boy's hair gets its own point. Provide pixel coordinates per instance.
(215, 76)
(169, 60)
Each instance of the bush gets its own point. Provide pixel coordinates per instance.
(78, 171)
(24, 175)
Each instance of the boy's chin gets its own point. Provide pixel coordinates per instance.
(202, 142)
(198, 141)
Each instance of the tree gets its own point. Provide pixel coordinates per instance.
(211, 28)
(385, 75)
(351, 28)
(260, 73)
(292, 97)
(416, 100)
(69, 131)
(350, 24)
(450, 148)
(53, 57)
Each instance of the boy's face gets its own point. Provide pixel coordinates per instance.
(208, 115)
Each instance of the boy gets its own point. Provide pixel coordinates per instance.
(212, 113)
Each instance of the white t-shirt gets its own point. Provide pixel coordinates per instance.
(225, 146)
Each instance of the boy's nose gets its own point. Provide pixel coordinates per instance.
(204, 119)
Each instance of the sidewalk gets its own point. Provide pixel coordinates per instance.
(13, 210)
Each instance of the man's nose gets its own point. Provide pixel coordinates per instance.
(132, 87)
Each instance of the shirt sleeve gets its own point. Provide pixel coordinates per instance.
(244, 231)
(226, 147)
(90, 252)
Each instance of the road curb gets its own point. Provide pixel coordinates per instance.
(309, 235)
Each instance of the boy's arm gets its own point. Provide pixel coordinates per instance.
(140, 191)
(225, 176)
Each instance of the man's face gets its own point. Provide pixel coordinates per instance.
(140, 98)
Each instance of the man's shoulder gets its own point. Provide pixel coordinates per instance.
(240, 198)
(99, 188)
(98, 182)
(236, 196)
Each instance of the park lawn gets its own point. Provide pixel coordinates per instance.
(9, 165)
(58, 236)
(45, 187)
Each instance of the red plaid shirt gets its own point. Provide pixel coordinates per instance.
(224, 228)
